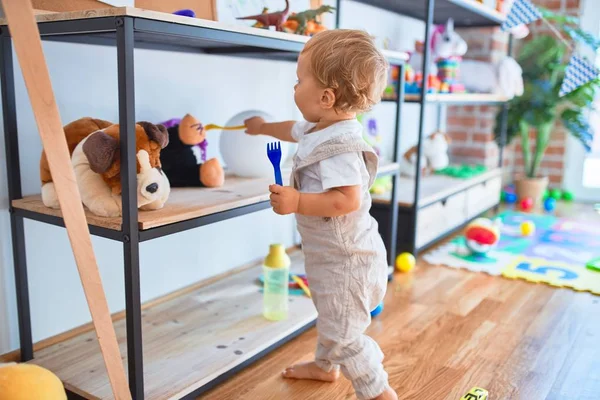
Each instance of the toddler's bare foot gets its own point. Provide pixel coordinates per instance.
(389, 394)
(309, 370)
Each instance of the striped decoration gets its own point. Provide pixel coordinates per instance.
(521, 12)
(578, 73)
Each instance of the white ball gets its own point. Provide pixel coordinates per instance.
(246, 155)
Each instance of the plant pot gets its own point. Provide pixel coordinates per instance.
(531, 187)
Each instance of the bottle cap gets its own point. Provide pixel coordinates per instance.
(277, 257)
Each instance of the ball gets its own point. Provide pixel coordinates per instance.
(28, 381)
(377, 310)
(527, 228)
(546, 194)
(526, 203)
(510, 198)
(567, 195)
(245, 155)
(549, 204)
(555, 194)
(405, 262)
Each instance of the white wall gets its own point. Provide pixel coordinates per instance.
(167, 85)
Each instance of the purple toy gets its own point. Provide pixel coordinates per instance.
(185, 12)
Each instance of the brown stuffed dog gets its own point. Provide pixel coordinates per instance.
(95, 154)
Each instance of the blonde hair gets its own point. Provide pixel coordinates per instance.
(348, 62)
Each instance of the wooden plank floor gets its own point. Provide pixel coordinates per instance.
(444, 331)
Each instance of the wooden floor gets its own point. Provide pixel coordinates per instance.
(444, 331)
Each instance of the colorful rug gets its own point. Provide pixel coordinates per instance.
(555, 255)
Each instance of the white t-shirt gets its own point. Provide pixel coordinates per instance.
(346, 169)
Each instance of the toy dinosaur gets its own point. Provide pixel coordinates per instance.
(276, 19)
(305, 22)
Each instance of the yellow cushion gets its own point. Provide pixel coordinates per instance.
(28, 382)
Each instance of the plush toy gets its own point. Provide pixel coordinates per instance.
(29, 381)
(435, 149)
(444, 43)
(408, 162)
(184, 159)
(504, 77)
(95, 154)
(434, 155)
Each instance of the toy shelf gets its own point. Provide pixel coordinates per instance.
(164, 31)
(187, 208)
(434, 188)
(191, 342)
(466, 13)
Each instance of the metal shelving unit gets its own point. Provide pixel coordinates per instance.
(127, 29)
(465, 13)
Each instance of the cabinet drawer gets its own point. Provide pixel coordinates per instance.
(483, 196)
(440, 217)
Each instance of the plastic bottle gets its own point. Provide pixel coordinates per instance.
(276, 269)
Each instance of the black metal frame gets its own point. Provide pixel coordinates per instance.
(128, 33)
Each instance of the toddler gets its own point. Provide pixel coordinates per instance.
(340, 73)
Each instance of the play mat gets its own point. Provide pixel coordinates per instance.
(556, 254)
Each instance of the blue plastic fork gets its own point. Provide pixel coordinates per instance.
(274, 154)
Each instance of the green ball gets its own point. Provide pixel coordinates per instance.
(546, 194)
(555, 194)
(567, 196)
(502, 196)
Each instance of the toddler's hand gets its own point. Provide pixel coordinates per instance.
(254, 125)
(284, 199)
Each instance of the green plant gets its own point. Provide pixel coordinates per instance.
(544, 59)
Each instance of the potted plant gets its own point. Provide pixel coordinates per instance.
(544, 59)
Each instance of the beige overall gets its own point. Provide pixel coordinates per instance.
(346, 269)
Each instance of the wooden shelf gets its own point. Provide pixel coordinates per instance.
(466, 98)
(466, 13)
(188, 203)
(433, 188)
(188, 340)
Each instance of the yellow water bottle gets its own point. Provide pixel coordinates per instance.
(276, 270)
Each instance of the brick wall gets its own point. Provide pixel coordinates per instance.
(471, 127)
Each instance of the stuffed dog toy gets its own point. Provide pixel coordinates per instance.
(435, 148)
(434, 155)
(408, 162)
(95, 154)
(184, 159)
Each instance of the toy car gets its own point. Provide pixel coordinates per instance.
(475, 394)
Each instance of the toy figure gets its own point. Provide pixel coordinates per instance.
(447, 48)
(276, 19)
(305, 22)
(184, 159)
